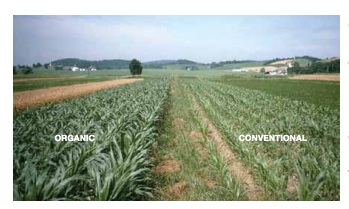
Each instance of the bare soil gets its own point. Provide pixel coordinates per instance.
(196, 141)
(210, 183)
(291, 184)
(284, 62)
(56, 94)
(178, 122)
(167, 166)
(178, 188)
(195, 134)
(173, 86)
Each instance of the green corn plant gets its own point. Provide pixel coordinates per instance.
(236, 110)
(116, 166)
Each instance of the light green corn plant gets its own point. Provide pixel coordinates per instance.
(235, 111)
(231, 186)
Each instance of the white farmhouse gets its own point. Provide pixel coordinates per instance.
(277, 71)
(239, 70)
(289, 64)
(74, 68)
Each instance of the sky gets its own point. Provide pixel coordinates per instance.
(199, 38)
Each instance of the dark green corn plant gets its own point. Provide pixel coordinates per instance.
(115, 166)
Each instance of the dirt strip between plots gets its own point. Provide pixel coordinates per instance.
(236, 168)
(56, 94)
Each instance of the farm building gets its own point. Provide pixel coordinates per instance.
(74, 68)
(289, 64)
(191, 68)
(239, 70)
(68, 68)
(277, 71)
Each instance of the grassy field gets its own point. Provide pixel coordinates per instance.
(174, 135)
(317, 92)
(51, 73)
(39, 84)
(42, 78)
(240, 65)
(189, 167)
(302, 62)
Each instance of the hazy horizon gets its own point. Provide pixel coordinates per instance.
(202, 39)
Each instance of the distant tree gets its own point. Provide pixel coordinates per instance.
(46, 65)
(215, 65)
(135, 67)
(14, 70)
(37, 65)
(27, 70)
(297, 66)
(59, 67)
(296, 69)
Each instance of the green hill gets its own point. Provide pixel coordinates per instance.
(102, 64)
(123, 64)
(184, 63)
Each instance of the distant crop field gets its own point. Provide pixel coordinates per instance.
(317, 92)
(327, 77)
(41, 83)
(259, 68)
(302, 62)
(50, 73)
(50, 78)
(240, 65)
(284, 62)
(54, 94)
(42, 78)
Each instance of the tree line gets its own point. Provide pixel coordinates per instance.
(316, 67)
(312, 59)
(24, 68)
(222, 63)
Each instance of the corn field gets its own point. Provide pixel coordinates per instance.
(125, 120)
(286, 171)
(115, 166)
